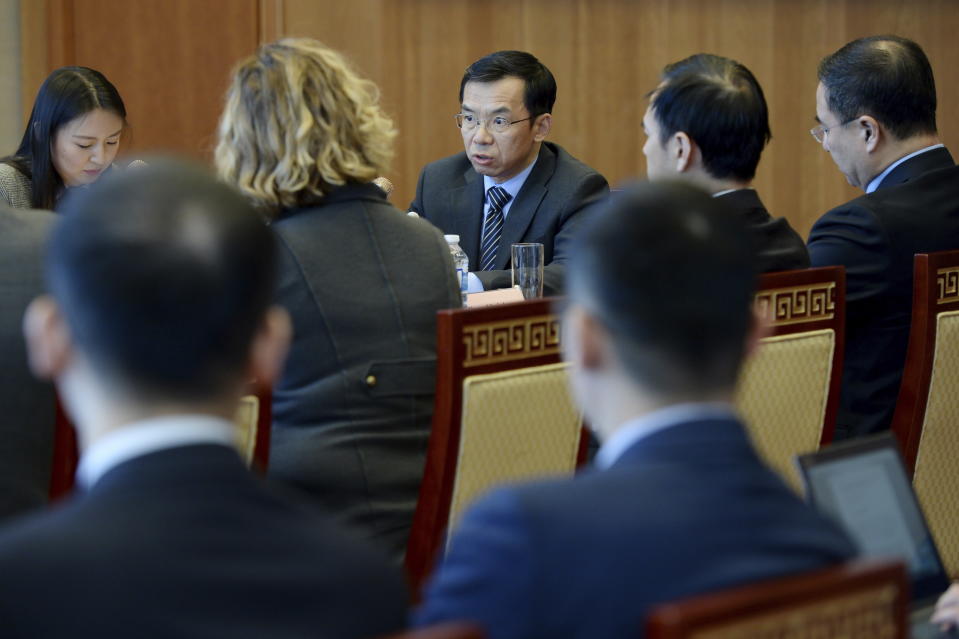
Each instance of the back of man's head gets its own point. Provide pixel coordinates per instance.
(720, 105)
(163, 276)
(886, 77)
(670, 274)
(540, 93)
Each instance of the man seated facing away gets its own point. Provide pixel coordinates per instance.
(159, 317)
(876, 108)
(509, 185)
(707, 123)
(658, 322)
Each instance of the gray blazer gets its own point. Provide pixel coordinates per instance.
(14, 187)
(27, 415)
(352, 412)
(553, 202)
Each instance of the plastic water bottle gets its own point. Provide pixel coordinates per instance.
(460, 263)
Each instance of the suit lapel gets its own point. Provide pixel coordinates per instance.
(524, 207)
(466, 204)
(914, 167)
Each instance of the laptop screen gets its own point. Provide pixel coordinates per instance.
(863, 485)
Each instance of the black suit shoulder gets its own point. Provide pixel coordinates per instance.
(186, 542)
(779, 247)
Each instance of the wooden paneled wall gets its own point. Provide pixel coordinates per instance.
(170, 59)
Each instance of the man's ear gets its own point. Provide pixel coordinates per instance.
(585, 339)
(541, 126)
(270, 346)
(870, 132)
(683, 151)
(49, 347)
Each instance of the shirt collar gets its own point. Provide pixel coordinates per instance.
(512, 185)
(641, 427)
(728, 191)
(149, 436)
(876, 181)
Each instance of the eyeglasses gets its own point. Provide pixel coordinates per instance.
(819, 132)
(498, 124)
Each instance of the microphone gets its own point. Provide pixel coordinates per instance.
(385, 185)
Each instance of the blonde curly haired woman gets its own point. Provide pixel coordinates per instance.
(302, 135)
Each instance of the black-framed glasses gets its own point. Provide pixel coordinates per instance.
(819, 132)
(497, 124)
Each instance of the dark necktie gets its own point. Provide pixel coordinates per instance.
(493, 227)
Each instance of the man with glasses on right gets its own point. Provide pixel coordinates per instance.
(876, 108)
(509, 185)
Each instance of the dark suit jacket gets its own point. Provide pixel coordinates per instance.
(185, 542)
(687, 510)
(553, 202)
(352, 412)
(27, 414)
(779, 247)
(875, 236)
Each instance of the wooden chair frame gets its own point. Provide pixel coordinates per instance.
(935, 290)
(686, 618)
(808, 300)
(472, 342)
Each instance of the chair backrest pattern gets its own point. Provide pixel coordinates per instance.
(481, 351)
(926, 410)
(783, 394)
(494, 450)
(862, 600)
(788, 392)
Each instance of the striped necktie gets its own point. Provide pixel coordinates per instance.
(493, 226)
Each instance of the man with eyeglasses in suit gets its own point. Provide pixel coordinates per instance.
(876, 109)
(509, 185)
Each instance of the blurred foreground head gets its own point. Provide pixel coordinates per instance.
(661, 289)
(161, 281)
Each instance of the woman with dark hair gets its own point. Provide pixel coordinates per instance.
(71, 139)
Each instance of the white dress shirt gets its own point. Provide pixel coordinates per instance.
(149, 436)
(641, 427)
(512, 186)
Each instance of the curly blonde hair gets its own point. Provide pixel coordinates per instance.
(299, 121)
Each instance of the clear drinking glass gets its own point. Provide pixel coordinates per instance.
(527, 261)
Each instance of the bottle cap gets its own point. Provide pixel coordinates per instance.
(452, 239)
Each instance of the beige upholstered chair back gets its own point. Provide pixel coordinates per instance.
(788, 389)
(502, 412)
(861, 600)
(937, 461)
(247, 419)
(927, 412)
(782, 395)
(515, 425)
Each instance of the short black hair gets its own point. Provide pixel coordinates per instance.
(718, 102)
(671, 274)
(164, 276)
(66, 94)
(540, 93)
(886, 77)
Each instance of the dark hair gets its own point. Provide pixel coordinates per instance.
(671, 274)
(164, 275)
(540, 93)
(66, 94)
(886, 77)
(720, 105)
